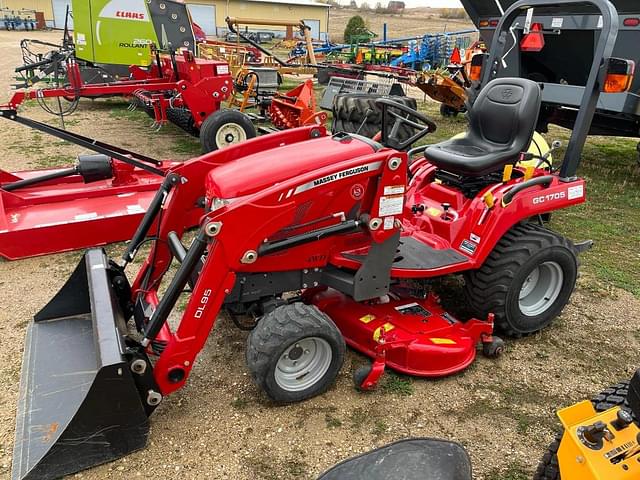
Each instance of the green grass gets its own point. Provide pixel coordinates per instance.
(239, 403)
(120, 112)
(187, 145)
(515, 471)
(398, 385)
(332, 421)
(380, 427)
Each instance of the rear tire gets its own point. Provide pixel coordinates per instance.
(295, 353)
(525, 281)
(368, 130)
(616, 396)
(224, 128)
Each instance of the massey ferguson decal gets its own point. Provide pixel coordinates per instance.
(369, 167)
(126, 9)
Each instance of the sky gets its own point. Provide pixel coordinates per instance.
(424, 3)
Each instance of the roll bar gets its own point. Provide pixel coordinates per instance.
(603, 51)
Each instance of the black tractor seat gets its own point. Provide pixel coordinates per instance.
(501, 125)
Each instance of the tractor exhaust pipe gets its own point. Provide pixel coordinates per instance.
(86, 390)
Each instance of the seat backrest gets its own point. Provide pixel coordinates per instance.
(505, 113)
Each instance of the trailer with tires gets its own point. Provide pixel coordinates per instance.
(566, 41)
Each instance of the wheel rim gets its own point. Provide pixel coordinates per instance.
(541, 289)
(230, 134)
(303, 364)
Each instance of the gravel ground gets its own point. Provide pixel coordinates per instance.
(220, 426)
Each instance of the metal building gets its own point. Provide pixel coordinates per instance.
(211, 14)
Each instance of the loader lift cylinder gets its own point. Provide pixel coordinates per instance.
(149, 217)
(178, 282)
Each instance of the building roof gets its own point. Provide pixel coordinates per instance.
(295, 3)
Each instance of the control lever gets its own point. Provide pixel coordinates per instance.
(623, 419)
(592, 435)
(446, 216)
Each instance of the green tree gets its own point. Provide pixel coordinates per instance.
(355, 26)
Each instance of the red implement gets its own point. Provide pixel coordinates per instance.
(296, 108)
(68, 214)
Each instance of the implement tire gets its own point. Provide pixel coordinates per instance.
(525, 281)
(359, 113)
(224, 128)
(181, 117)
(616, 396)
(295, 353)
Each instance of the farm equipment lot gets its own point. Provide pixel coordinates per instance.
(219, 426)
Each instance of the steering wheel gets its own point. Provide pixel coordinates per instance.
(390, 131)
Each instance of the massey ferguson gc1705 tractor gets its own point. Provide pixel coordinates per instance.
(322, 240)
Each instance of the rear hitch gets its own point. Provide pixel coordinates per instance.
(582, 247)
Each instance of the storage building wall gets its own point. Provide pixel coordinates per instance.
(317, 16)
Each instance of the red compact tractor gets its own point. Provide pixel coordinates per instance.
(320, 240)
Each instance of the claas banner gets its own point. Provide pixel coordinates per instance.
(120, 32)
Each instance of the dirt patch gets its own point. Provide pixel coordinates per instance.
(219, 426)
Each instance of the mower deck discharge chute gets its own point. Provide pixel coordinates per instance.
(80, 401)
(321, 240)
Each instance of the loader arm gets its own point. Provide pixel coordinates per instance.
(237, 239)
(190, 193)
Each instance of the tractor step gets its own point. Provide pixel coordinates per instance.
(79, 404)
(416, 255)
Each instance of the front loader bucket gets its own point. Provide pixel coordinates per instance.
(79, 405)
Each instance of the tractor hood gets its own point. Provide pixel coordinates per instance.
(253, 173)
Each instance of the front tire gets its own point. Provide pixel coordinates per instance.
(224, 128)
(526, 281)
(295, 353)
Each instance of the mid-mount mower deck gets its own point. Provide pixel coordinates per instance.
(321, 240)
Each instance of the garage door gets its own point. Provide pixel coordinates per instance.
(60, 12)
(205, 16)
(315, 28)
